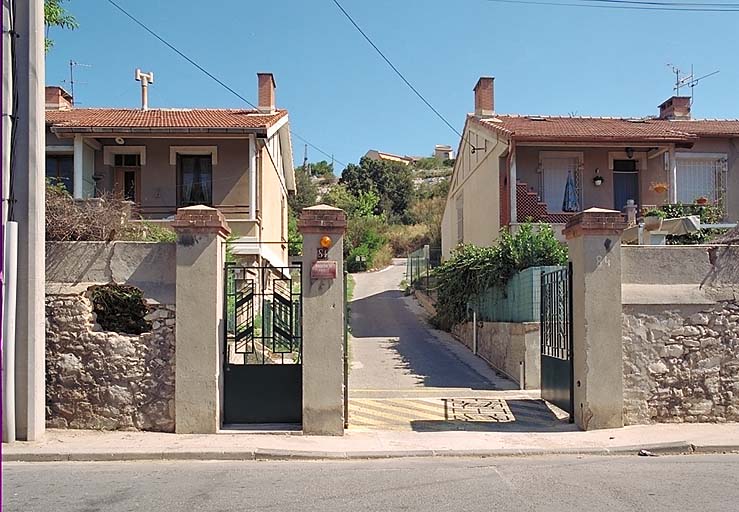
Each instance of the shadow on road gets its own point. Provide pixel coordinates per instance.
(400, 339)
(502, 416)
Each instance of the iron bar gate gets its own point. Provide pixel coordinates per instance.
(557, 371)
(263, 373)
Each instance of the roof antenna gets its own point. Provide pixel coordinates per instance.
(687, 81)
(73, 64)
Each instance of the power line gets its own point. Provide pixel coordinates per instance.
(208, 73)
(629, 7)
(395, 69)
(685, 4)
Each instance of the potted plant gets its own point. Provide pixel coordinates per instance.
(653, 219)
(701, 200)
(598, 180)
(660, 187)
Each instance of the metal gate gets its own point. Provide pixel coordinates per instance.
(557, 373)
(263, 371)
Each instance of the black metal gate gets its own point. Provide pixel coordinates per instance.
(557, 373)
(263, 371)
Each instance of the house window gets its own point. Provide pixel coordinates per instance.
(194, 180)
(460, 219)
(60, 170)
(132, 160)
(700, 177)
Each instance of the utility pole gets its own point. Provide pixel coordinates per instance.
(28, 207)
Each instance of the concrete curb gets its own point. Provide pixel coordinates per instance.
(674, 448)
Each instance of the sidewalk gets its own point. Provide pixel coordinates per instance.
(81, 445)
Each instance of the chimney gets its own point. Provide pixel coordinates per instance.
(485, 96)
(677, 107)
(145, 79)
(266, 89)
(57, 98)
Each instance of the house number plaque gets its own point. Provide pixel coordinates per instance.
(323, 269)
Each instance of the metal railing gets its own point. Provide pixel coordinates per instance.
(419, 266)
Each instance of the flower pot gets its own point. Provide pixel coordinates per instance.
(701, 201)
(660, 189)
(597, 181)
(653, 223)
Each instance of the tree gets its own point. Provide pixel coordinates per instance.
(321, 169)
(306, 193)
(392, 181)
(55, 15)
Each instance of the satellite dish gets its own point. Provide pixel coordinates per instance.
(120, 141)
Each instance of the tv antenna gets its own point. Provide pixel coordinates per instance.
(687, 80)
(73, 64)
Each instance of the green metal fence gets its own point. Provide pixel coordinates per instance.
(519, 301)
(419, 265)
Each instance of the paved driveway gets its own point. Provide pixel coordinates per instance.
(393, 349)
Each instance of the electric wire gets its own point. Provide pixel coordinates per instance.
(211, 75)
(397, 71)
(666, 7)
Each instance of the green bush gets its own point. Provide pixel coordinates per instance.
(120, 308)
(364, 237)
(708, 214)
(471, 270)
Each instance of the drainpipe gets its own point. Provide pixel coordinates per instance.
(673, 175)
(10, 274)
(252, 178)
(474, 330)
(513, 180)
(79, 160)
(8, 243)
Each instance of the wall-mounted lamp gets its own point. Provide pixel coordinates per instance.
(598, 179)
(630, 152)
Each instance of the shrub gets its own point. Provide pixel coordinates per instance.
(708, 214)
(106, 218)
(103, 218)
(654, 212)
(471, 269)
(120, 308)
(404, 239)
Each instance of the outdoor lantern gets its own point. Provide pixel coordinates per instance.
(326, 241)
(630, 153)
(598, 179)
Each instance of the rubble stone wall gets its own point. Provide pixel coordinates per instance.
(106, 380)
(681, 364)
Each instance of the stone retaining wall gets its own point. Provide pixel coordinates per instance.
(510, 347)
(106, 380)
(681, 364)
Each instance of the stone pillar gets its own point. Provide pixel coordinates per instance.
(323, 320)
(201, 232)
(594, 241)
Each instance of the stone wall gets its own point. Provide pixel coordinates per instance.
(106, 380)
(681, 363)
(509, 347)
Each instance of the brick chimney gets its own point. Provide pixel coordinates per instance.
(267, 86)
(57, 98)
(485, 96)
(677, 107)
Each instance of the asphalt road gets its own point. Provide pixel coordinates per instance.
(668, 483)
(393, 349)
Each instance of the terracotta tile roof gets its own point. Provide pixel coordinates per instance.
(160, 120)
(708, 127)
(587, 129)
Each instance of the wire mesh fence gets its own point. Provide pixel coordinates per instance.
(419, 267)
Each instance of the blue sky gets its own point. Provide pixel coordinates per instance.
(343, 97)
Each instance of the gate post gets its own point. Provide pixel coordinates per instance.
(594, 241)
(323, 319)
(201, 232)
